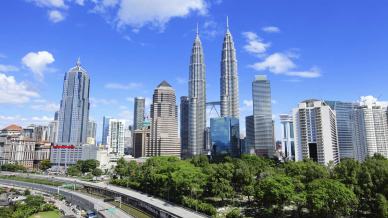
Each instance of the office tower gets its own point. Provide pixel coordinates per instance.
(74, 110)
(164, 123)
(56, 115)
(105, 130)
(250, 135)
(225, 135)
(115, 139)
(287, 141)
(262, 113)
(128, 146)
(229, 79)
(138, 116)
(92, 129)
(208, 141)
(370, 130)
(41, 134)
(141, 140)
(344, 112)
(53, 131)
(197, 99)
(184, 130)
(315, 130)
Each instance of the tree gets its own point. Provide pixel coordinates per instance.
(220, 176)
(44, 165)
(121, 168)
(381, 206)
(330, 198)
(306, 170)
(275, 190)
(97, 172)
(12, 167)
(73, 171)
(27, 192)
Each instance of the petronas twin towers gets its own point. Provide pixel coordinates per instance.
(229, 99)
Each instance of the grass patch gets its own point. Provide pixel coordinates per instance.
(33, 180)
(47, 214)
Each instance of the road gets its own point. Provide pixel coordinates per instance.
(163, 205)
(99, 205)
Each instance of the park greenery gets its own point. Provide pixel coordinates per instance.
(13, 167)
(252, 186)
(32, 205)
(83, 167)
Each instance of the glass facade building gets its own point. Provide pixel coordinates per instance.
(225, 136)
(344, 126)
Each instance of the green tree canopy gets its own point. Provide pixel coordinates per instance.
(330, 198)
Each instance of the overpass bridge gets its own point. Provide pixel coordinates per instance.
(153, 206)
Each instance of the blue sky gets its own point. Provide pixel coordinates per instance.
(309, 49)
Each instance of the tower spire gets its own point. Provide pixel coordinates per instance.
(197, 29)
(227, 22)
(78, 62)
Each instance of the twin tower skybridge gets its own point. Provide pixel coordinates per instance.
(213, 107)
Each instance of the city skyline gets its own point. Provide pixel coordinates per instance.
(114, 82)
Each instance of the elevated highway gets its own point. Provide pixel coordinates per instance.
(154, 206)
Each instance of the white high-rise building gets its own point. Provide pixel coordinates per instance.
(116, 138)
(197, 100)
(74, 110)
(370, 130)
(315, 132)
(288, 142)
(229, 95)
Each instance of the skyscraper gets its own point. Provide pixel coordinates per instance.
(115, 139)
(197, 99)
(225, 136)
(138, 116)
(370, 130)
(288, 143)
(262, 114)
(344, 112)
(184, 121)
(105, 130)
(74, 110)
(315, 132)
(164, 127)
(229, 96)
(92, 129)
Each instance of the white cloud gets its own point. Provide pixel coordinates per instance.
(2, 55)
(50, 3)
(181, 80)
(37, 62)
(7, 68)
(248, 103)
(42, 119)
(102, 101)
(255, 45)
(12, 92)
(281, 63)
(277, 63)
(44, 105)
(56, 16)
(271, 29)
(370, 100)
(136, 14)
(128, 86)
(80, 2)
(312, 73)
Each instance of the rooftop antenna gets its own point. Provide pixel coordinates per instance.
(78, 62)
(227, 22)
